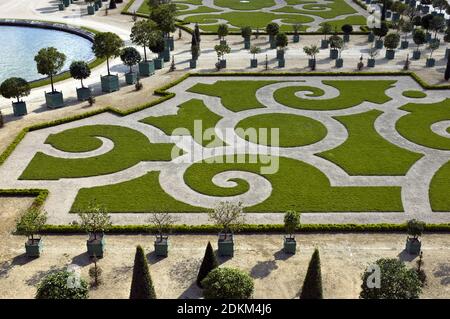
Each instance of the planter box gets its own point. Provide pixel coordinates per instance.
(225, 245)
(404, 45)
(396, 16)
(19, 108)
(390, 54)
(96, 247)
(379, 44)
(339, 63)
(430, 63)
(95, 7)
(273, 44)
(165, 55)
(61, 7)
(447, 52)
(131, 77)
(159, 63)
(66, 3)
(162, 247)
(371, 37)
(334, 54)
(246, 44)
(311, 63)
(253, 63)
(296, 38)
(281, 63)
(416, 55)
(413, 246)
(169, 43)
(280, 54)
(388, 14)
(34, 248)
(193, 64)
(54, 100)
(223, 63)
(271, 38)
(371, 63)
(83, 94)
(91, 10)
(110, 83)
(346, 37)
(324, 44)
(223, 42)
(289, 245)
(146, 68)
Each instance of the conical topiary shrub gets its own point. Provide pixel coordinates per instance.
(209, 263)
(141, 284)
(312, 286)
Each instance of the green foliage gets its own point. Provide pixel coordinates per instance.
(165, 17)
(107, 45)
(221, 50)
(143, 34)
(419, 37)
(415, 227)
(222, 30)
(209, 263)
(272, 28)
(397, 281)
(31, 222)
(96, 220)
(14, 87)
(130, 56)
(255, 50)
(291, 221)
(227, 283)
(312, 285)
(281, 40)
(80, 70)
(157, 43)
(336, 42)
(381, 31)
(326, 29)
(228, 215)
(311, 50)
(347, 28)
(246, 32)
(62, 285)
(391, 41)
(141, 283)
(49, 61)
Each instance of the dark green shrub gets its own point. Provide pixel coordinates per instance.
(312, 286)
(62, 285)
(227, 283)
(415, 228)
(14, 88)
(209, 263)
(80, 70)
(141, 284)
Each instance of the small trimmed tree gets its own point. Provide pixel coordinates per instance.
(112, 4)
(209, 263)
(291, 222)
(391, 41)
(163, 223)
(419, 38)
(227, 283)
(396, 281)
(197, 33)
(141, 283)
(49, 61)
(296, 27)
(222, 31)
(415, 228)
(347, 29)
(80, 70)
(31, 222)
(221, 50)
(337, 43)
(406, 28)
(246, 32)
(141, 34)
(433, 46)
(381, 31)
(312, 51)
(272, 29)
(15, 88)
(130, 57)
(62, 285)
(157, 44)
(312, 285)
(96, 220)
(255, 50)
(230, 216)
(281, 40)
(165, 17)
(107, 45)
(326, 29)
(437, 24)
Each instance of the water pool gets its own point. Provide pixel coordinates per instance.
(21, 44)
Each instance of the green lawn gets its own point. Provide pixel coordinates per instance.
(296, 185)
(414, 94)
(294, 130)
(440, 189)
(416, 126)
(250, 5)
(352, 93)
(235, 95)
(338, 8)
(365, 152)
(353, 20)
(188, 113)
(130, 148)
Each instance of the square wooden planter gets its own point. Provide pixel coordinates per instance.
(66, 3)
(96, 247)
(131, 78)
(404, 45)
(324, 44)
(281, 63)
(289, 245)
(225, 245)
(146, 68)
(416, 55)
(83, 94)
(34, 248)
(370, 63)
(280, 54)
(334, 54)
(159, 63)
(192, 64)
(246, 44)
(413, 246)
(165, 55)
(296, 38)
(339, 63)
(162, 246)
(223, 63)
(390, 54)
(110, 83)
(371, 37)
(379, 44)
(19, 108)
(90, 10)
(430, 63)
(311, 63)
(253, 63)
(54, 100)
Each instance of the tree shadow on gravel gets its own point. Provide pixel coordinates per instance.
(443, 272)
(192, 292)
(404, 256)
(39, 275)
(263, 269)
(281, 255)
(82, 260)
(7, 266)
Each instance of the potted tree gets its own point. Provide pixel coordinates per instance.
(163, 223)
(282, 42)
(426, 25)
(406, 28)
(222, 32)
(291, 223)
(49, 61)
(391, 43)
(90, 7)
(246, 33)
(380, 33)
(157, 46)
(16, 88)
(447, 40)
(432, 46)
(130, 57)
(254, 50)
(311, 51)
(336, 43)
(415, 229)
(142, 34)
(221, 50)
(296, 37)
(373, 52)
(437, 24)
(95, 222)
(165, 17)
(347, 29)
(272, 30)
(325, 29)
(230, 217)
(80, 70)
(419, 38)
(107, 45)
(30, 224)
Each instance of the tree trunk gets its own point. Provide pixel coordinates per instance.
(51, 81)
(145, 54)
(82, 86)
(107, 65)
(447, 69)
